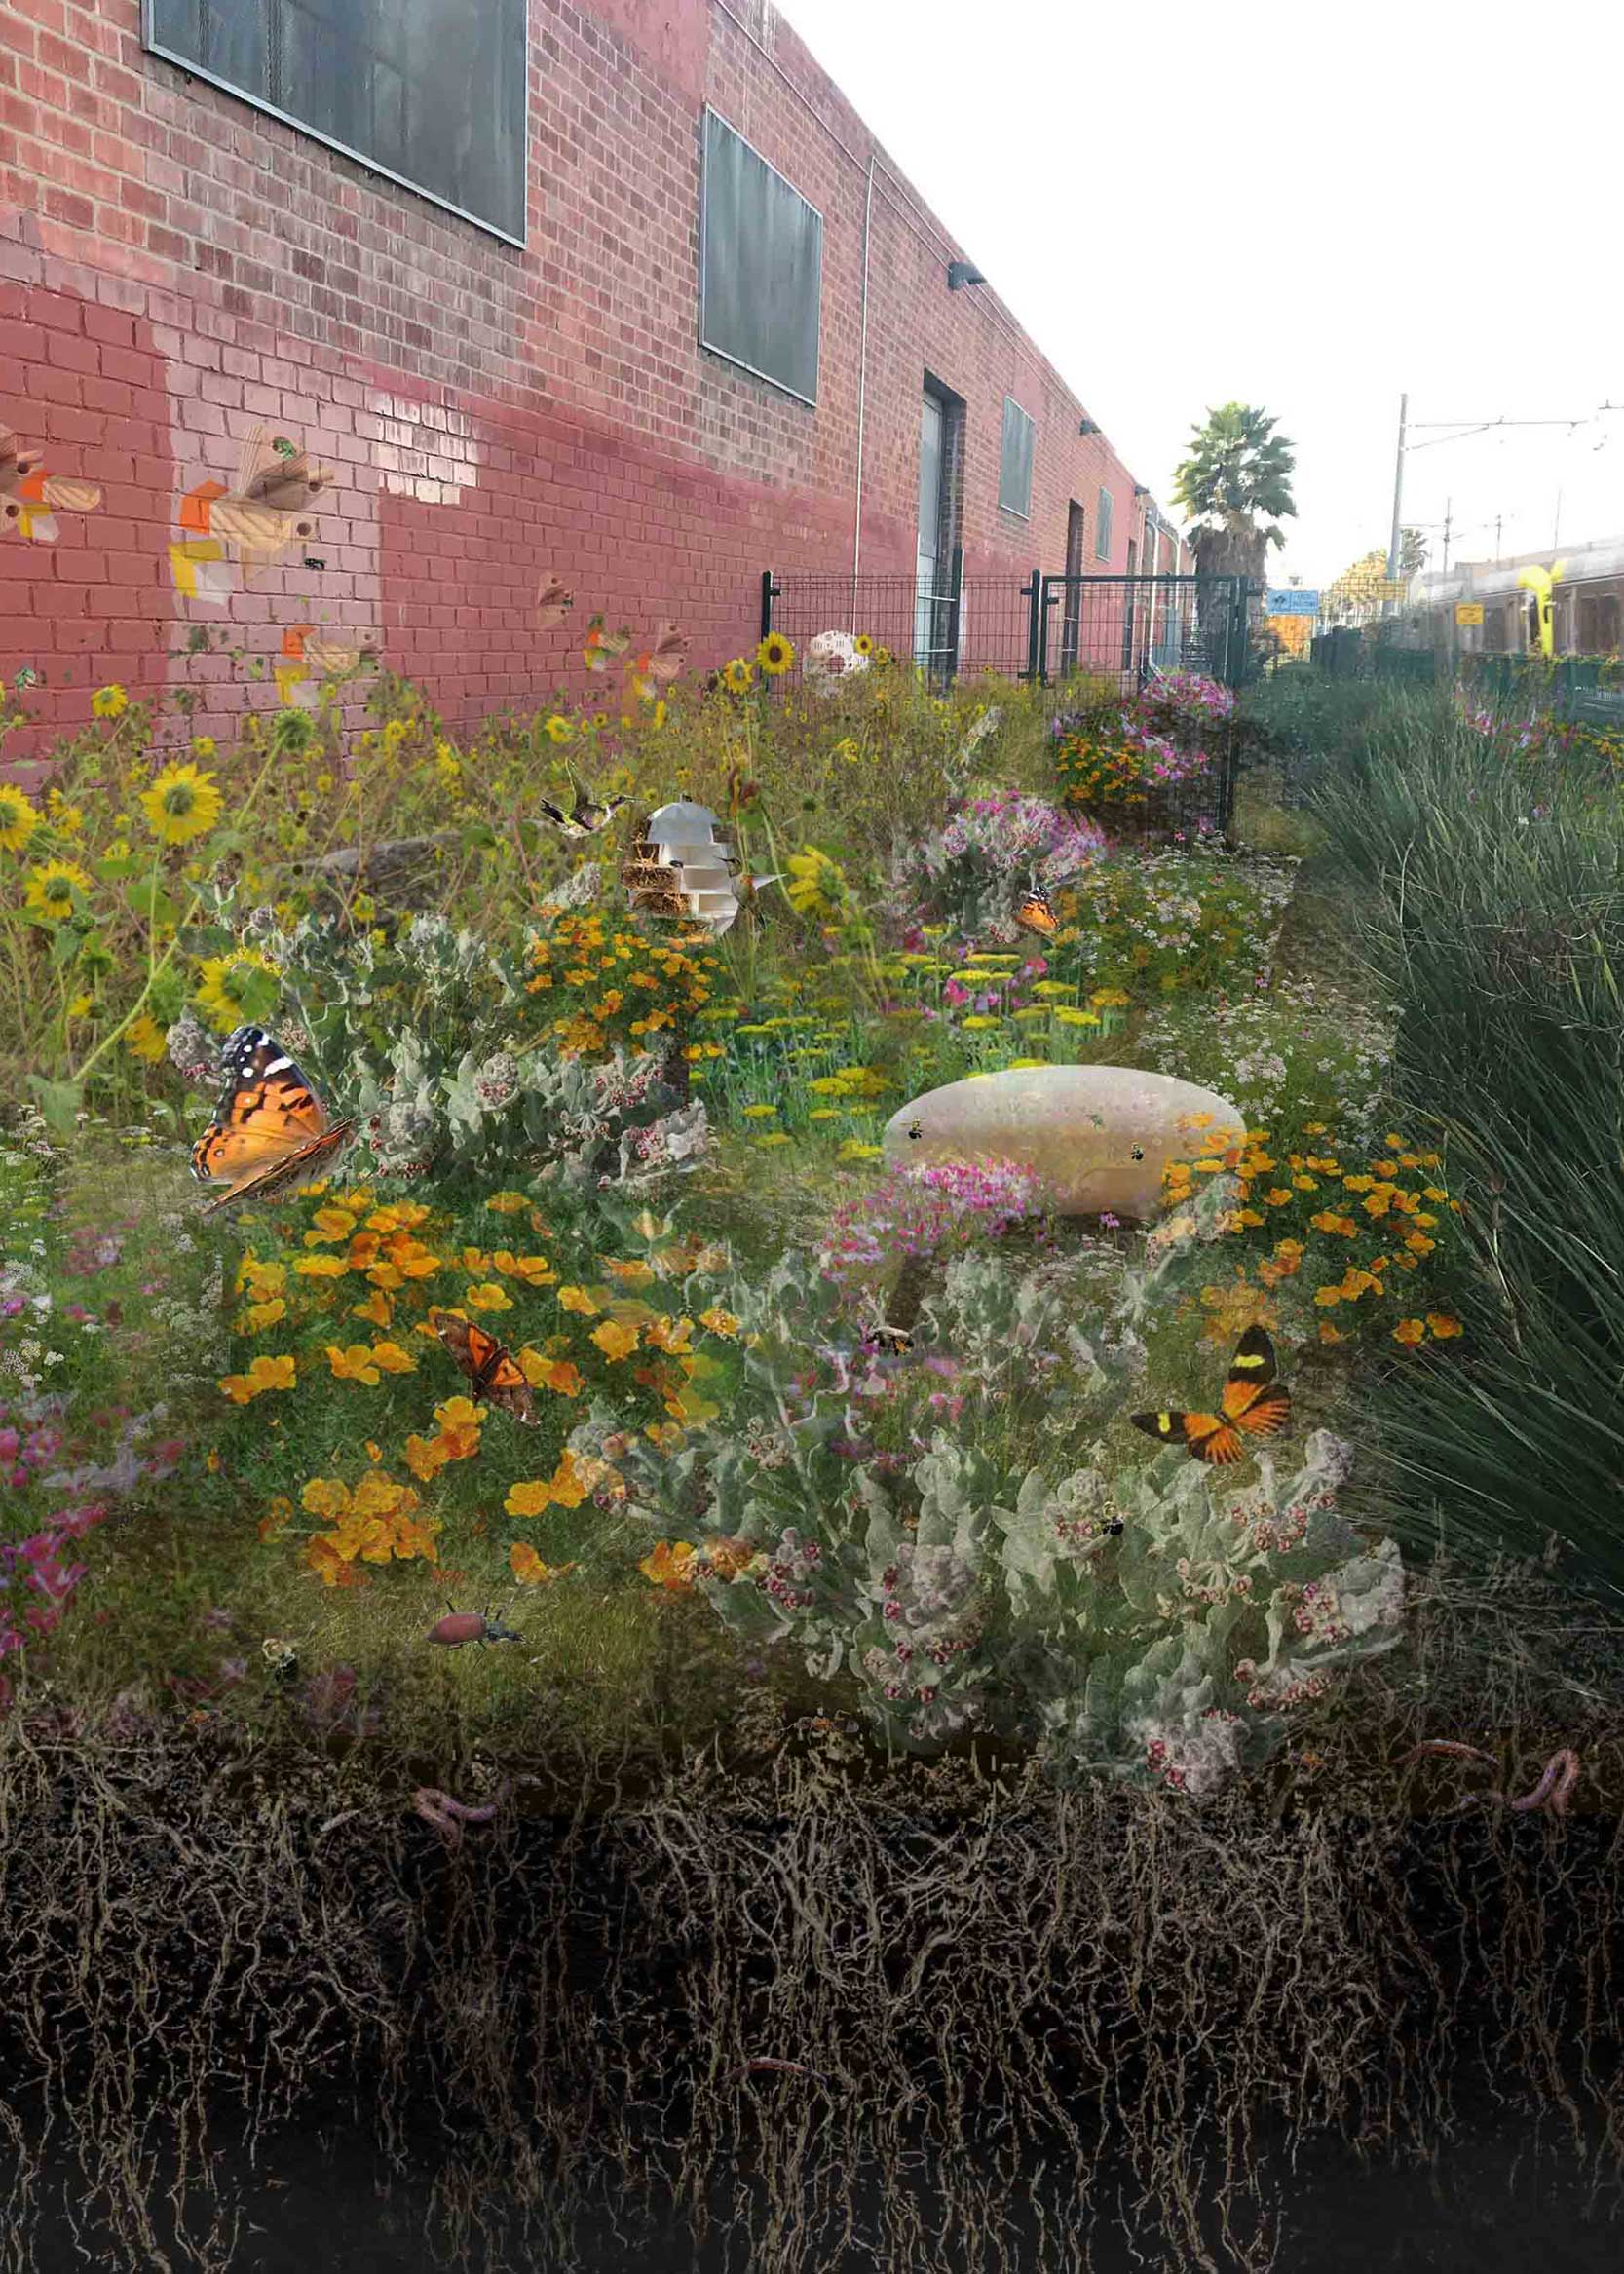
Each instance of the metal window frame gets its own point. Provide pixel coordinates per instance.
(194, 70)
(1104, 523)
(737, 362)
(1010, 405)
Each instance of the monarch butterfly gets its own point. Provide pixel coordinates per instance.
(490, 1366)
(271, 1130)
(1248, 1405)
(1036, 913)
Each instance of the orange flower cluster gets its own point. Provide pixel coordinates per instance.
(1395, 1213)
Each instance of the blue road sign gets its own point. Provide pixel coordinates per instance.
(1293, 601)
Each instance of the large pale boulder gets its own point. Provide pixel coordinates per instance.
(1098, 1136)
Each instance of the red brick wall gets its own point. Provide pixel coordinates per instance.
(176, 266)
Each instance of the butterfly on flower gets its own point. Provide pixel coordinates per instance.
(585, 818)
(1249, 1405)
(1036, 913)
(495, 1373)
(271, 1131)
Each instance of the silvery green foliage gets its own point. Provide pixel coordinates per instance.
(419, 1038)
(962, 1584)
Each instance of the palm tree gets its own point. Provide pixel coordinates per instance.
(1235, 486)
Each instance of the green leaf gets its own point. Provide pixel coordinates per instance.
(149, 901)
(205, 939)
(64, 946)
(58, 1103)
(112, 869)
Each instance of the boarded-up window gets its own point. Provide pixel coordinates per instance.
(1101, 527)
(1020, 436)
(431, 92)
(760, 265)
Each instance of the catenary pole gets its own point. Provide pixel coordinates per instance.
(1398, 495)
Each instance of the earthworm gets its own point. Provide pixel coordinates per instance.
(766, 2061)
(442, 1811)
(1555, 1786)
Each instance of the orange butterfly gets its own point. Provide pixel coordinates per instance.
(1249, 1405)
(661, 661)
(1036, 912)
(490, 1366)
(601, 644)
(271, 1130)
(553, 600)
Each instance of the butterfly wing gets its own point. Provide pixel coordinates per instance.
(1036, 912)
(1252, 1402)
(1252, 1398)
(67, 496)
(494, 1373)
(554, 602)
(271, 1130)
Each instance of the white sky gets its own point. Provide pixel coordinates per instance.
(1307, 211)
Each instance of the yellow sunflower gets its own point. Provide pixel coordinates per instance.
(109, 703)
(19, 820)
(220, 983)
(774, 654)
(737, 677)
(146, 1038)
(864, 643)
(57, 890)
(558, 729)
(181, 804)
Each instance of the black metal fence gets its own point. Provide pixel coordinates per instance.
(1043, 626)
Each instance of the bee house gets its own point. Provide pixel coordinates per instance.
(680, 867)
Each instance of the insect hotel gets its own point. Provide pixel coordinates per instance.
(679, 867)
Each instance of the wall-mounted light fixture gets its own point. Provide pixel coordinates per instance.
(1088, 428)
(1139, 491)
(962, 271)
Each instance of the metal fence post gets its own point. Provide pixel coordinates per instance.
(769, 593)
(1033, 594)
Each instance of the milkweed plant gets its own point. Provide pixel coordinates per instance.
(955, 1528)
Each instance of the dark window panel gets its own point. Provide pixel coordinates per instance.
(431, 92)
(761, 267)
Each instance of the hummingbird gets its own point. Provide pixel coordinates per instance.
(587, 817)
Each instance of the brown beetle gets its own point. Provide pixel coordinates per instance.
(468, 1626)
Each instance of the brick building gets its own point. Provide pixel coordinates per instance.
(502, 268)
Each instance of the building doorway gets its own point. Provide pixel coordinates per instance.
(1070, 620)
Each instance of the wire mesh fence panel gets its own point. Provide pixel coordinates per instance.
(1128, 629)
(949, 625)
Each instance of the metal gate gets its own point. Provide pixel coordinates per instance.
(1127, 628)
(1043, 628)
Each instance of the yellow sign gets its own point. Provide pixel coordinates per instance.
(1468, 612)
